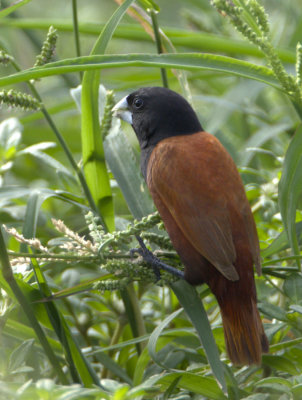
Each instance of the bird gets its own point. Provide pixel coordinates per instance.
(201, 199)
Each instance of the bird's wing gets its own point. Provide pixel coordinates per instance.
(193, 178)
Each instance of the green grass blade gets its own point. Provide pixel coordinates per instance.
(290, 189)
(199, 41)
(8, 10)
(28, 310)
(126, 170)
(281, 242)
(92, 143)
(204, 386)
(190, 301)
(187, 61)
(113, 367)
(33, 205)
(156, 334)
(80, 369)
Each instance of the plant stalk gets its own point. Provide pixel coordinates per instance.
(25, 305)
(159, 46)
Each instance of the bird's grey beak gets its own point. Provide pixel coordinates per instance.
(121, 110)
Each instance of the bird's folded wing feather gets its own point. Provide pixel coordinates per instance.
(199, 207)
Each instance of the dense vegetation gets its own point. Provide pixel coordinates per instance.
(81, 316)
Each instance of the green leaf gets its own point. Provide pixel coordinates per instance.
(285, 345)
(155, 335)
(293, 287)
(10, 134)
(126, 170)
(141, 365)
(281, 242)
(189, 299)
(296, 307)
(33, 205)
(297, 391)
(280, 363)
(290, 189)
(79, 367)
(16, 192)
(258, 396)
(20, 354)
(272, 311)
(149, 4)
(36, 150)
(92, 143)
(276, 383)
(186, 61)
(8, 10)
(194, 383)
(265, 133)
(113, 367)
(194, 40)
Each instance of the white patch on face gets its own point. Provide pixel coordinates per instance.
(121, 111)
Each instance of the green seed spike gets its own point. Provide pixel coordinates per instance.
(13, 98)
(299, 64)
(48, 48)
(260, 16)
(107, 118)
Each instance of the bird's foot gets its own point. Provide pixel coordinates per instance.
(156, 264)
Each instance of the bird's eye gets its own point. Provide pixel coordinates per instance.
(138, 103)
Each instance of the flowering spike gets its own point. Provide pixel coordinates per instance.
(5, 58)
(107, 118)
(48, 48)
(260, 16)
(299, 64)
(17, 99)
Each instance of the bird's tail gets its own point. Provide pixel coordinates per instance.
(243, 330)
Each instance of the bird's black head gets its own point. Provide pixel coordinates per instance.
(156, 113)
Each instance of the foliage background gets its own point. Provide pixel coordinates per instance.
(162, 356)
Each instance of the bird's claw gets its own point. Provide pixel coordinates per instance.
(148, 257)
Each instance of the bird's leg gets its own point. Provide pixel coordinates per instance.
(156, 264)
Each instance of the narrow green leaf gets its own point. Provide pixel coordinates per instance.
(28, 310)
(194, 383)
(293, 287)
(92, 143)
(290, 189)
(120, 345)
(79, 367)
(114, 367)
(149, 4)
(155, 335)
(296, 307)
(20, 354)
(201, 41)
(297, 391)
(189, 299)
(16, 192)
(266, 133)
(281, 242)
(272, 311)
(274, 380)
(126, 170)
(280, 363)
(36, 150)
(33, 205)
(186, 61)
(8, 10)
(141, 365)
(285, 345)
